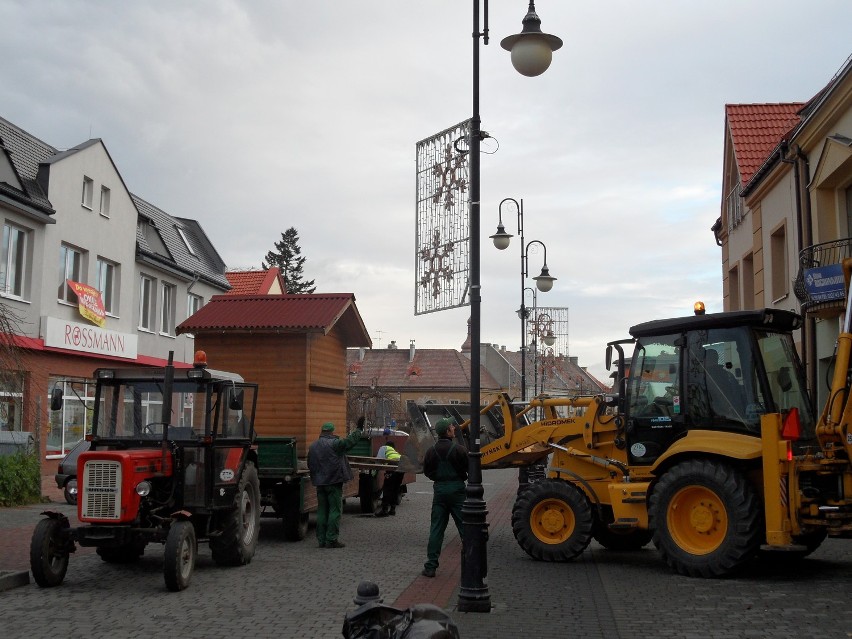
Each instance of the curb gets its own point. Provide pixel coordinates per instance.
(12, 579)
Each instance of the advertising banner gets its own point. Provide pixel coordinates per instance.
(90, 304)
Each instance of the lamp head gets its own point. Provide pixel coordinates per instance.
(549, 339)
(544, 281)
(532, 50)
(501, 239)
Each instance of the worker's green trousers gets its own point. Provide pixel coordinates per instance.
(329, 507)
(447, 500)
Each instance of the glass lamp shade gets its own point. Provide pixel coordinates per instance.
(531, 56)
(501, 239)
(544, 282)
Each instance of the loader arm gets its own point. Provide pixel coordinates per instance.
(833, 429)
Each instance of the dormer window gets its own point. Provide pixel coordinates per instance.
(185, 241)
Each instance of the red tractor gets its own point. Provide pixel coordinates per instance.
(171, 461)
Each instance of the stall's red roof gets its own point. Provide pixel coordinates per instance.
(308, 313)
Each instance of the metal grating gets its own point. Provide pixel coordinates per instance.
(442, 229)
(100, 491)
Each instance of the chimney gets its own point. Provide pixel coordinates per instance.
(574, 360)
(411, 351)
(392, 345)
(361, 354)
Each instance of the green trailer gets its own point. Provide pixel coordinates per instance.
(286, 490)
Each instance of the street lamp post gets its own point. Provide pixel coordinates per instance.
(543, 281)
(532, 52)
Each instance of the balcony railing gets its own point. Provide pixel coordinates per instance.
(825, 254)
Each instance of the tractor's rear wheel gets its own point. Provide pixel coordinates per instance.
(236, 544)
(552, 520)
(179, 555)
(619, 539)
(706, 518)
(48, 553)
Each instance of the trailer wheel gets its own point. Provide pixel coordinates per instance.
(48, 553)
(236, 544)
(179, 555)
(296, 526)
(706, 518)
(552, 521)
(619, 540)
(368, 496)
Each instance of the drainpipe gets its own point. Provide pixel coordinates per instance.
(804, 237)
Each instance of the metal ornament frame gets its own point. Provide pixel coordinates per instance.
(442, 229)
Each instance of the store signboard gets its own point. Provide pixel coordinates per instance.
(86, 338)
(825, 283)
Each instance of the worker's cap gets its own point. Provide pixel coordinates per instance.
(443, 425)
(328, 427)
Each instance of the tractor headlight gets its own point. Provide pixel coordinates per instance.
(143, 488)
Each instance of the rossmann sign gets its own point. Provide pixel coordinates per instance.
(88, 339)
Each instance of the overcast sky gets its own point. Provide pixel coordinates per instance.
(252, 116)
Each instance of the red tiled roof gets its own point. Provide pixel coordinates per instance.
(756, 129)
(431, 368)
(314, 313)
(256, 282)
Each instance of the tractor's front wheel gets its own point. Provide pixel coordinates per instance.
(236, 544)
(179, 555)
(48, 553)
(552, 520)
(706, 518)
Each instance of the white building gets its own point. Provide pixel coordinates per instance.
(68, 220)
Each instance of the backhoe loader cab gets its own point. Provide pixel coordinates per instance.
(716, 372)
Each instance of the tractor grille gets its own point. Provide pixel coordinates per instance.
(101, 490)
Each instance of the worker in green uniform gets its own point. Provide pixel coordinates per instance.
(329, 470)
(446, 465)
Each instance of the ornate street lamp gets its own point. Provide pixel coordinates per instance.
(473, 593)
(543, 281)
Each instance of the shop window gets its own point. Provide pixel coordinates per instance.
(73, 420)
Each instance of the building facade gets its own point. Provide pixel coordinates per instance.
(91, 275)
(786, 219)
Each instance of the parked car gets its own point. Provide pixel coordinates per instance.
(66, 474)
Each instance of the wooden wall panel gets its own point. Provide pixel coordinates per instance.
(301, 377)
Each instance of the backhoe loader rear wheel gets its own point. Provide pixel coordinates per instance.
(706, 518)
(552, 520)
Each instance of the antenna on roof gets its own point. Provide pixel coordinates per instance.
(379, 338)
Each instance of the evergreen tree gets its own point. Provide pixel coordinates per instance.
(288, 257)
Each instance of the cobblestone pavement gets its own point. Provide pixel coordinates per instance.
(299, 590)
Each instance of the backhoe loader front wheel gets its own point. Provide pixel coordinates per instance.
(552, 521)
(706, 518)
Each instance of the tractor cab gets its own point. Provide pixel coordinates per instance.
(713, 372)
(203, 418)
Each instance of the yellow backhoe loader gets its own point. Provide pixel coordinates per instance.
(709, 445)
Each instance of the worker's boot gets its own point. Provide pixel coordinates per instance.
(392, 510)
(383, 512)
